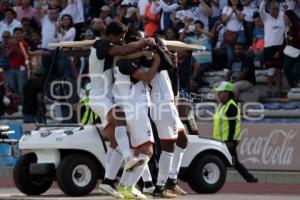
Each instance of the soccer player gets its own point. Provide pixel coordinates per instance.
(171, 131)
(101, 62)
(132, 94)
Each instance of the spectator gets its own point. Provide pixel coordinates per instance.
(291, 64)
(4, 5)
(274, 28)
(16, 54)
(74, 8)
(10, 23)
(131, 18)
(165, 7)
(249, 10)
(4, 62)
(65, 31)
(151, 24)
(48, 21)
(258, 39)
(232, 16)
(27, 28)
(105, 14)
(200, 10)
(120, 15)
(26, 10)
(98, 27)
(171, 34)
(241, 71)
(36, 52)
(201, 60)
(219, 55)
(32, 91)
(141, 10)
(216, 6)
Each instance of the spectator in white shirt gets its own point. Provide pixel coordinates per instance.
(10, 23)
(48, 21)
(75, 9)
(233, 16)
(65, 31)
(249, 10)
(200, 11)
(274, 28)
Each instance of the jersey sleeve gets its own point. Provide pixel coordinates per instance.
(102, 49)
(126, 67)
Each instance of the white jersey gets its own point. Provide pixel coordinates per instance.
(133, 97)
(161, 88)
(128, 90)
(101, 69)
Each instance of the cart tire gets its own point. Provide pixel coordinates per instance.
(207, 174)
(77, 175)
(27, 183)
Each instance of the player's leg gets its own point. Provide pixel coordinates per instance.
(113, 163)
(181, 144)
(141, 138)
(163, 117)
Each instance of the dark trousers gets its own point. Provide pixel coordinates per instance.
(237, 165)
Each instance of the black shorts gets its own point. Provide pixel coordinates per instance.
(269, 60)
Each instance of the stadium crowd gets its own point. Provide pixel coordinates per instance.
(239, 37)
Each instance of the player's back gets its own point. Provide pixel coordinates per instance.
(161, 87)
(101, 69)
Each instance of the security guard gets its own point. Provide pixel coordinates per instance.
(227, 125)
(89, 117)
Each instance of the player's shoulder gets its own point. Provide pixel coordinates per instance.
(100, 43)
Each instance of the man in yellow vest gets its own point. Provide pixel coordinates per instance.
(227, 123)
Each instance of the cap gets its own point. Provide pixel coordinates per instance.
(130, 11)
(105, 8)
(224, 86)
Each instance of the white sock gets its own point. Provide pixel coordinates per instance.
(124, 178)
(123, 141)
(146, 176)
(115, 164)
(176, 163)
(137, 172)
(164, 166)
(107, 159)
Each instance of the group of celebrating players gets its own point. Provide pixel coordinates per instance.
(130, 86)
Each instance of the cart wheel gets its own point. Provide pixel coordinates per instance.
(28, 183)
(77, 175)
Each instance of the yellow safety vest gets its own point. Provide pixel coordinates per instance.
(221, 124)
(89, 116)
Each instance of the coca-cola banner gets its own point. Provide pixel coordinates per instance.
(266, 147)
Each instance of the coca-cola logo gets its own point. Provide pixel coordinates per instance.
(275, 148)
